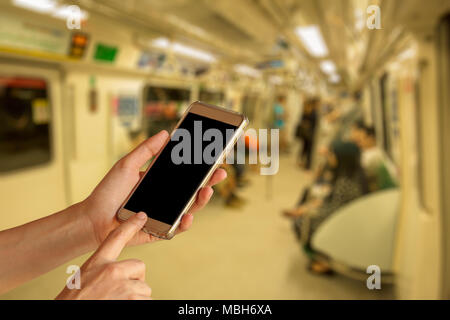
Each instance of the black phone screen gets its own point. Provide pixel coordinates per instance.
(180, 168)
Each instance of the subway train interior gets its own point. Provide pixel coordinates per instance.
(358, 91)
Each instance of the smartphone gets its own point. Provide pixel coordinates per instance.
(197, 146)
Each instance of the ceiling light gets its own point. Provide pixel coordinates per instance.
(50, 7)
(192, 52)
(161, 43)
(312, 39)
(328, 67)
(68, 11)
(184, 50)
(247, 70)
(42, 6)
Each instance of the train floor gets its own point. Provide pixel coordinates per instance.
(250, 253)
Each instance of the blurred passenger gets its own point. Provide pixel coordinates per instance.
(315, 194)
(346, 115)
(227, 189)
(240, 169)
(279, 121)
(356, 132)
(373, 159)
(321, 186)
(327, 127)
(348, 183)
(306, 131)
(343, 172)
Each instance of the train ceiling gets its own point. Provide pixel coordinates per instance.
(254, 31)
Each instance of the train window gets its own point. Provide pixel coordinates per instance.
(166, 94)
(24, 123)
(163, 107)
(211, 97)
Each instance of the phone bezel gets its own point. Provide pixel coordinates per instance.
(167, 231)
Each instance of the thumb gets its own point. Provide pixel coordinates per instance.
(117, 239)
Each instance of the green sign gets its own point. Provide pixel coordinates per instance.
(105, 53)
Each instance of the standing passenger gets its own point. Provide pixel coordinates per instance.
(279, 121)
(306, 131)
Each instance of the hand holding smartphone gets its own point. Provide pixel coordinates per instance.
(195, 149)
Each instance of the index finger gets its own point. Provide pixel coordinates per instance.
(118, 238)
(145, 151)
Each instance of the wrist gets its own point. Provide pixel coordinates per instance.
(83, 228)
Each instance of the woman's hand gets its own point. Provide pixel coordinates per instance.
(102, 205)
(102, 277)
(39, 246)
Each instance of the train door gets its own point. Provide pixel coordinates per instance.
(32, 175)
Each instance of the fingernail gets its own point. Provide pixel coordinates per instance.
(164, 132)
(141, 215)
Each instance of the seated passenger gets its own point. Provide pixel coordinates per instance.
(318, 190)
(343, 173)
(373, 159)
(349, 183)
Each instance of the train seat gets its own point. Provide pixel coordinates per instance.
(362, 233)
